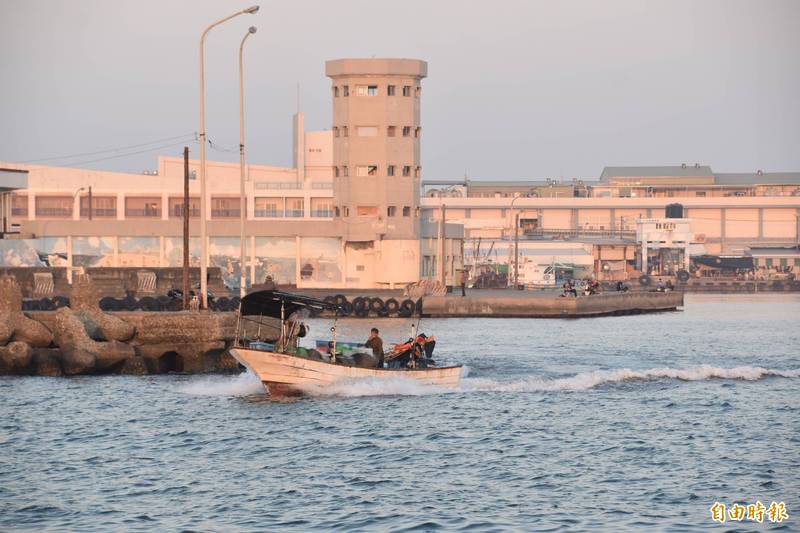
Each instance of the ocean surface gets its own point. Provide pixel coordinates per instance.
(600, 424)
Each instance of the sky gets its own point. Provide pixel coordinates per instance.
(515, 89)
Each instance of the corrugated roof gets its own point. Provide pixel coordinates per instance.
(754, 178)
(677, 170)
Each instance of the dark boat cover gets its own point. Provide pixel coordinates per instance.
(268, 303)
(725, 262)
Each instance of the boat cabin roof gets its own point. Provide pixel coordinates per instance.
(269, 303)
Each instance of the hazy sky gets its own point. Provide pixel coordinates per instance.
(516, 89)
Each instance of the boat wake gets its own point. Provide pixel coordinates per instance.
(245, 384)
(590, 380)
(394, 386)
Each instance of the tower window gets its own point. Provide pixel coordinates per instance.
(417, 132)
(346, 211)
(344, 131)
(391, 131)
(336, 91)
(406, 211)
(417, 172)
(336, 211)
(336, 171)
(391, 211)
(366, 90)
(345, 90)
(390, 90)
(406, 171)
(368, 170)
(366, 211)
(390, 170)
(417, 91)
(335, 131)
(406, 131)
(345, 171)
(406, 90)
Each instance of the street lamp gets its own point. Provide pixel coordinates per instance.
(243, 198)
(516, 242)
(203, 244)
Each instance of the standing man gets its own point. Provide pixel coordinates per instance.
(376, 343)
(463, 282)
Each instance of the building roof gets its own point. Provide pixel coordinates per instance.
(774, 252)
(665, 171)
(756, 178)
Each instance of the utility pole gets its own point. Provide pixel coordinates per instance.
(516, 249)
(185, 228)
(442, 234)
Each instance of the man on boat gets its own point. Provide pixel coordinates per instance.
(376, 343)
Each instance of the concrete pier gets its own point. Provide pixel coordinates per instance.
(547, 305)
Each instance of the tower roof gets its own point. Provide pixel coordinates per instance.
(415, 68)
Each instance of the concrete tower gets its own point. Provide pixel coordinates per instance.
(376, 147)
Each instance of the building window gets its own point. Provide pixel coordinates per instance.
(406, 90)
(142, 207)
(391, 131)
(768, 262)
(417, 172)
(366, 90)
(176, 207)
(345, 90)
(294, 207)
(268, 207)
(366, 211)
(406, 211)
(406, 171)
(336, 211)
(344, 131)
(19, 205)
(346, 211)
(417, 91)
(368, 170)
(226, 207)
(335, 131)
(102, 206)
(390, 90)
(321, 207)
(390, 170)
(406, 131)
(54, 206)
(391, 211)
(345, 171)
(417, 132)
(700, 193)
(336, 171)
(367, 131)
(335, 91)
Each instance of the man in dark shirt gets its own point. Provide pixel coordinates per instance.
(376, 343)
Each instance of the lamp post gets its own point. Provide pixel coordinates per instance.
(516, 242)
(203, 244)
(243, 198)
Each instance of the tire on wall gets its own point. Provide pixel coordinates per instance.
(644, 280)
(392, 306)
(683, 276)
(406, 308)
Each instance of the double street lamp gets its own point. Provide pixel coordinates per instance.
(203, 210)
(243, 200)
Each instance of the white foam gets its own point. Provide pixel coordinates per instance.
(244, 384)
(589, 380)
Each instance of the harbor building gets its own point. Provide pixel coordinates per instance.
(354, 212)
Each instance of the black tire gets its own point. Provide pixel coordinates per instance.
(644, 280)
(148, 303)
(164, 300)
(340, 299)
(406, 308)
(235, 301)
(129, 303)
(418, 307)
(361, 313)
(346, 309)
(376, 305)
(60, 301)
(392, 306)
(223, 304)
(330, 300)
(46, 304)
(360, 303)
(683, 276)
(30, 305)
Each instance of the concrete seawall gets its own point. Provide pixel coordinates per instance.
(547, 306)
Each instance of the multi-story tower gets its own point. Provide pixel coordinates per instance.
(376, 146)
(376, 159)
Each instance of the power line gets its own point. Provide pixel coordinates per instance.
(185, 135)
(131, 153)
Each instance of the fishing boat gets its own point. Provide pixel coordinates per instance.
(269, 325)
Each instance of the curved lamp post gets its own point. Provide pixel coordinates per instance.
(203, 244)
(243, 198)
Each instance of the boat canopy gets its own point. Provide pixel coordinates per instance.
(270, 303)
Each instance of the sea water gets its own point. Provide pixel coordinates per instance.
(602, 424)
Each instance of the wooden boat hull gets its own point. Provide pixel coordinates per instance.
(288, 375)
